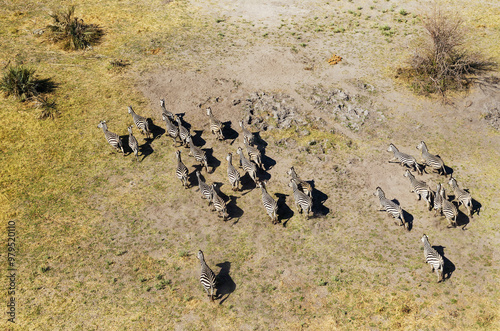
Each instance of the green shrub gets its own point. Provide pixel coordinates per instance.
(71, 32)
(20, 82)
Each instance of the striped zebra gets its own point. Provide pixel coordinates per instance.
(433, 161)
(433, 258)
(132, 142)
(253, 154)
(391, 207)
(181, 171)
(207, 277)
(205, 189)
(198, 153)
(247, 134)
(219, 204)
(164, 110)
(247, 166)
(463, 197)
(438, 201)
(303, 202)
(172, 130)
(183, 132)
(448, 208)
(302, 184)
(404, 159)
(232, 173)
(269, 203)
(215, 125)
(112, 138)
(140, 122)
(420, 188)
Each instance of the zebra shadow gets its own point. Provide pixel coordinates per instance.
(197, 139)
(448, 267)
(476, 207)
(145, 150)
(212, 161)
(259, 141)
(284, 211)
(233, 210)
(126, 148)
(318, 198)
(267, 162)
(228, 132)
(406, 215)
(156, 131)
(225, 284)
(247, 183)
(263, 175)
(462, 219)
(183, 122)
(429, 170)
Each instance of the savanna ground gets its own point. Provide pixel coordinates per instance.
(104, 242)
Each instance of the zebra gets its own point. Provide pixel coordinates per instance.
(215, 125)
(253, 153)
(463, 197)
(219, 204)
(433, 161)
(132, 142)
(172, 130)
(404, 159)
(269, 203)
(112, 138)
(448, 208)
(420, 188)
(247, 166)
(181, 171)
(183, 131)
(438, 201)
(433, 258)
(205, 189)
(391, 207)
(197, 152)
(140, 122)
(207, 277)
(247, 134)
(232, 173)
(302, 184)
(303, 202)
(164, 110)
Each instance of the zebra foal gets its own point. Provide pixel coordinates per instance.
(132, 143)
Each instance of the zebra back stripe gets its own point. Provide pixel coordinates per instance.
(207, 277)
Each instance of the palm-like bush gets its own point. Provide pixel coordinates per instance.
(20, 82)
(71, 32)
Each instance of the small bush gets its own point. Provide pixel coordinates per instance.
(20, 82)
(441, 62)
(71, 32)
(47, 108)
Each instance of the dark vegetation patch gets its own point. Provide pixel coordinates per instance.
(441, 62)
